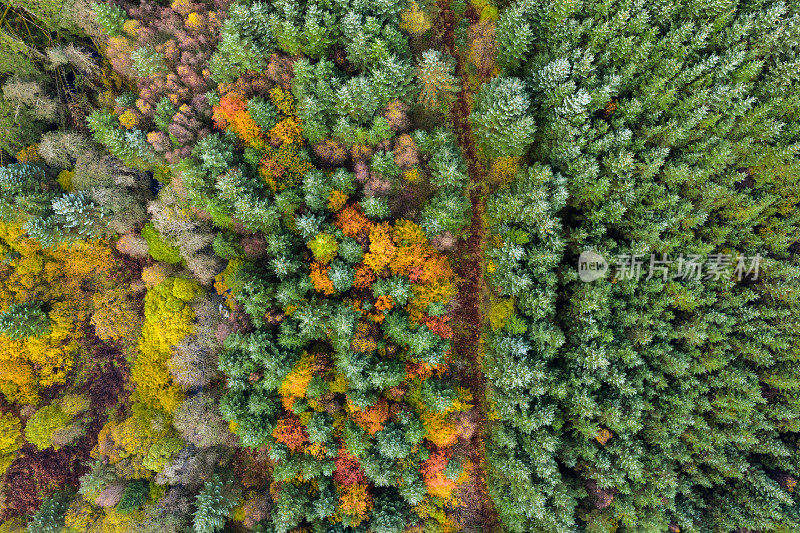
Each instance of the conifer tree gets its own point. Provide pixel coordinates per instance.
(24, 320)
(213, 504)
(641, 390)
(436, 80)
(50, 516)
(502, 122)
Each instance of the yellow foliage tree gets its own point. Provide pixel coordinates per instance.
(63, 278)
(167, 320)
(10, 440)
(414, 20)
(354, 502)
(296, 382)
(140, 444)
(114, 314)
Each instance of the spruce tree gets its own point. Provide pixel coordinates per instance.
(213, 504)
(49, 518)
(24, 320)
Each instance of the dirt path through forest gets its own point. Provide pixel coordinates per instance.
(478, 513)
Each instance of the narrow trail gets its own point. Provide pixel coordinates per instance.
(479, 513)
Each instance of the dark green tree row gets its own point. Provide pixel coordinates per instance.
(661, 404)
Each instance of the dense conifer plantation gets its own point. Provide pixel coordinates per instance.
(667, 403)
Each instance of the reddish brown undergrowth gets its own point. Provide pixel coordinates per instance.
(477, 512)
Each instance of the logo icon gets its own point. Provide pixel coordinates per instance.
(591, 266)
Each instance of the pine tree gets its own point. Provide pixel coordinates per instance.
(514, 36)
(213, 504)
(25, 320)
(636, 384)
(501, 120)
(78, 216)
(21, 192)
(245, 43)
(146, 61)
(375, 207)
(391, 442)
(110, 17)
(436, 80)
(389, 515)
(50, 516)
(291, 508)
(446, 211)
(437, 395)
(134, 496)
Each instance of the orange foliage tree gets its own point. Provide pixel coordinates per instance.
(281, 163)
(290, 431)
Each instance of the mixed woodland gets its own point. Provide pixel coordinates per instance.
(310, 266)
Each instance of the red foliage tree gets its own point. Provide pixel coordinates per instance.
(290, 431)
(348, 469)
(36, 474)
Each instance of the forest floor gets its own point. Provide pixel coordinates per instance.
(478, 512)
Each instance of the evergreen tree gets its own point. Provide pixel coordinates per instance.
(50, 516)
(389, 515)
(24, 320)
(110, 17)
(213, 504)
(134, 496)
(78, 217)
(501, 119)
(649, 395)
(436, 80)
(21, 191)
